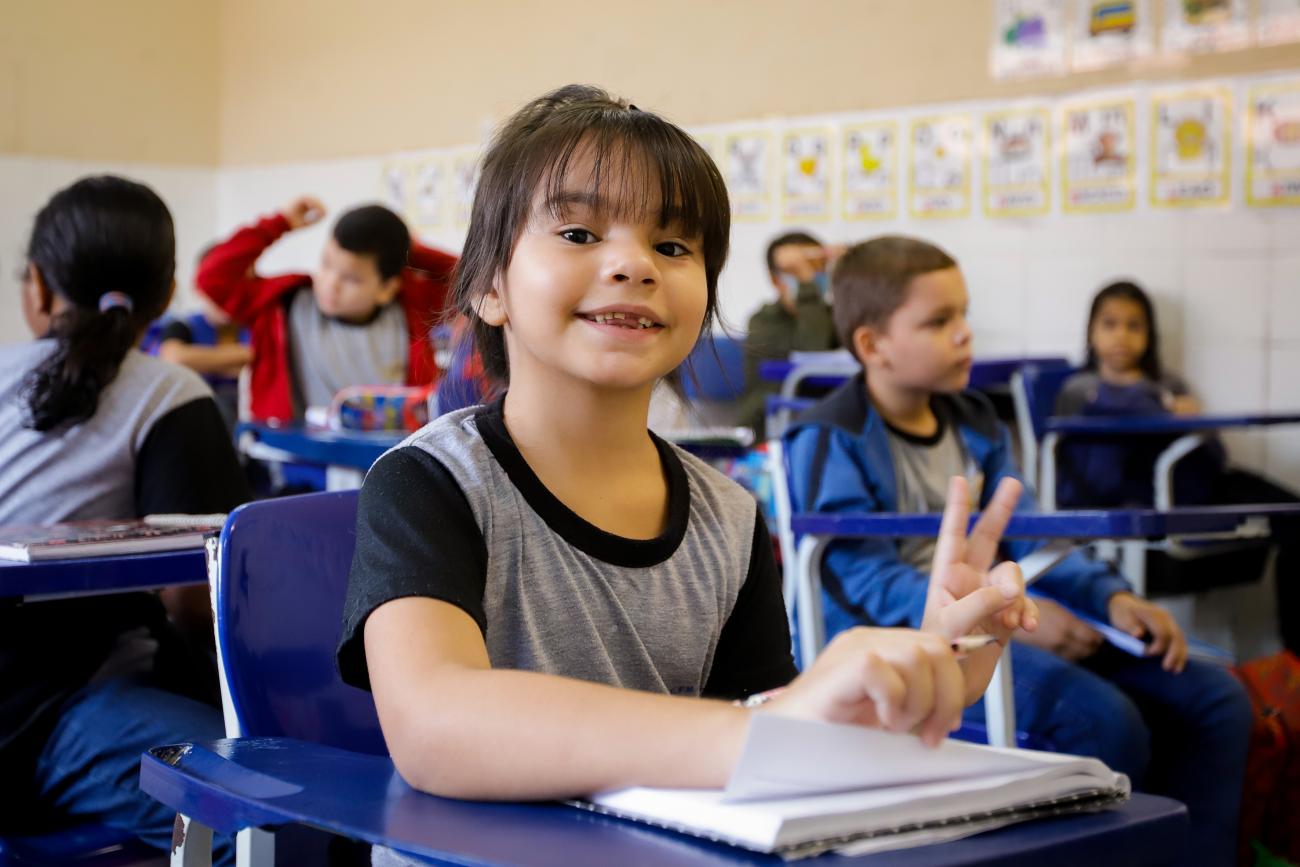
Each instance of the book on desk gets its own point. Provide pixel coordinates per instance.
(27, 544)
(802, 788)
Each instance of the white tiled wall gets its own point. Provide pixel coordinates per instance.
(1226, 283)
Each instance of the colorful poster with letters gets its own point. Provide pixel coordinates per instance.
(463, 181)
(1110, 32)
(940, 167)
(1205, 25)
(1191, 149)
(1277, 22)
(1017, 163)
(428, 206)
(395, 186)
(806, 174)
(1028, 38)
(746, 166)
(1098, 163)
(869, 175)
(1273, 144)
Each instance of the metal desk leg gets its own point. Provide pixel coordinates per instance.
(808, 611)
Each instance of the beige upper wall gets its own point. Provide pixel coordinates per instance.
(338, 78)
(207, 82)
(110, 80)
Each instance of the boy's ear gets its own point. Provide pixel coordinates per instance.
(388, 290)
(866, 344)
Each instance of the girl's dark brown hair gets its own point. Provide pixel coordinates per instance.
(101, 234)
(1149, 363)
(534, 150)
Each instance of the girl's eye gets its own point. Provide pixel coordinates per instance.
(578, 236)
(672, 248)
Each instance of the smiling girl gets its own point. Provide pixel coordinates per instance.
(545, 595)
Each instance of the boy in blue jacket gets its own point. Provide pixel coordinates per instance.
(889, 439)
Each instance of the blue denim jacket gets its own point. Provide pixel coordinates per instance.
(839, 459)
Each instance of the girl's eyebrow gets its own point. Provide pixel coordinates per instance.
(561, 202)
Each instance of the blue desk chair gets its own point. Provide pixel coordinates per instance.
(715, 370)
(306, 749)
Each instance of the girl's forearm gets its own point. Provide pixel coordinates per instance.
(499, 734)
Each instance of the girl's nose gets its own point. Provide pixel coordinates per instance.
(631, 263)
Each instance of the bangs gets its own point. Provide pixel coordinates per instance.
(627, 165)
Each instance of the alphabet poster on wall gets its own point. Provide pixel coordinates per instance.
(940, 167)
(746, 166)
(1277, 22)
(869, 176)
(1105, 34)
(1099, 156)
(1273, 144)
(463, 183)
(428, 206)
(1028, 38)
(1190, 148)
(1017, 163)
(1205, 25)
(806, 174)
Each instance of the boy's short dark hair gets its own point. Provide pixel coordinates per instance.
(373, 230)
(532, 152)
(870, 280)
(802, 239)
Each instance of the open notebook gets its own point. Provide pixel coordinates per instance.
(802, 788)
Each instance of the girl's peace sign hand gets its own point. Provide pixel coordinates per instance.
(966, 595)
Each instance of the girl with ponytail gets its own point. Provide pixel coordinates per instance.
(91, 428)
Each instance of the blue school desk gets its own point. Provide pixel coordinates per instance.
(232, 784)
(87, 576)
(345, 455)
(984, 373)
(1188, 433)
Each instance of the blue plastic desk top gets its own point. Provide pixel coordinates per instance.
(1111, 524)
(357, 449)
(233, 784)
(984, 373)
(91, 575)
(1159, 424)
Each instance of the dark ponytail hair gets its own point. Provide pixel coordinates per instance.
(101, 236)
(1149, 363)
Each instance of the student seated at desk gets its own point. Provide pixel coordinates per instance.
(543, 592)
(208, 343)
(887, 440)
(1123, 376)
(362, 319)
(799, 320)
(91, 428)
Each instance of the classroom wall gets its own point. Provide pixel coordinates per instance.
(232, 108)
(88, 87)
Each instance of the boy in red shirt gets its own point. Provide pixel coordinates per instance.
(346, 329)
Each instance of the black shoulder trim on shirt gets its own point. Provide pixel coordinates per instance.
(578, 532)
(846, 407)
(416, 536)
(187, 464)
(753, 653)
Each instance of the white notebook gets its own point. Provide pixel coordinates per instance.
(801, 788)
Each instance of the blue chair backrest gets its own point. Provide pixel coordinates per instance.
(1042, 383)
(279, 607)
(719, 376)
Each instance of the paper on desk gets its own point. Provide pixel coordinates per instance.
(785, 757)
